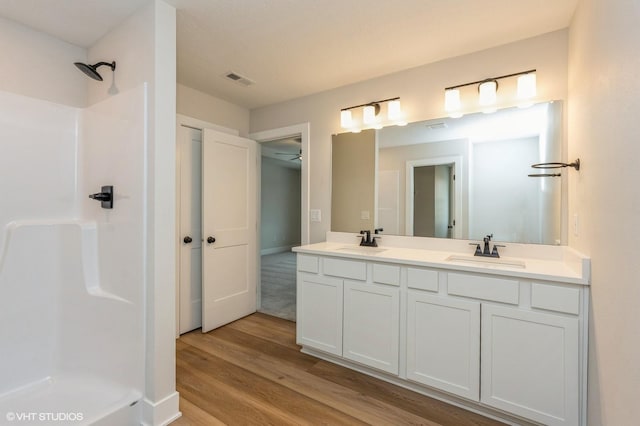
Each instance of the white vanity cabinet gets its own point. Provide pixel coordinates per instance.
(507, 343)
(319, 307)
(530, 364)
(319, 316)
(443, 343)
(372, 325)
(350, 309)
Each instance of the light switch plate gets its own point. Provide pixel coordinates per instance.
(316, 215)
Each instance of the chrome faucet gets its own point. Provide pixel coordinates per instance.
(486, 251)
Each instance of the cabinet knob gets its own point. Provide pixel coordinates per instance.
(187, 239)
(211, 240)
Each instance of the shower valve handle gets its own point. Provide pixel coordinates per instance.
(101, 196)
(105, 197)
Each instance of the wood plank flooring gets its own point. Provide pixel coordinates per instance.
(251, 372)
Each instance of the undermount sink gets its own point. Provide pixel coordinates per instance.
(361, 249)
(486, 261)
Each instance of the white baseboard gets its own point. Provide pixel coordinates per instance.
(161, 413)
(274, 250)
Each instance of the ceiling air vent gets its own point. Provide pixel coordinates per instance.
(239, 79)
(438, 125)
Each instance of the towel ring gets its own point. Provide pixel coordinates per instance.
(575, 165)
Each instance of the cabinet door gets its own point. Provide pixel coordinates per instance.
(319, 313)
(530, 364)
(443, 343)
(372, 325)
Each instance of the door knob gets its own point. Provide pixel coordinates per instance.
(211, 240)
(187, 239)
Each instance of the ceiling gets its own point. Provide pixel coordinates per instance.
(293, 48)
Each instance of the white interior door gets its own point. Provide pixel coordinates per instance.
(229, 228)
(190, 288)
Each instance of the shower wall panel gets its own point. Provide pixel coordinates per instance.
(37, 159)
(112, 152)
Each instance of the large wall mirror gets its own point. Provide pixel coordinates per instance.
(454, 178)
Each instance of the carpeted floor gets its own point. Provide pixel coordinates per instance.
(278, 284)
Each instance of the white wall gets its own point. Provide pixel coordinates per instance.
(604, 59)
(37, 65)
(280, 205)
(144, 49)
(422, 92)
(134, 60)
(196, 104)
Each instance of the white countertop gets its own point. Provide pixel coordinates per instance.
(566, 265)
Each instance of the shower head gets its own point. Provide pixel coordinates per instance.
(91, 70)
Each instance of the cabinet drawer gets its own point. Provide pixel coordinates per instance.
(555, 298)
(344, 268)
(386, 274)
(422, 279)
(486, 288)
(308, 263)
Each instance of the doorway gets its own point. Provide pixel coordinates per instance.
(281, 224)
(434, 197)
(433, 201)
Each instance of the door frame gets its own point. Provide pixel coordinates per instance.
(409, 187)
(194, 123)
(302, 130)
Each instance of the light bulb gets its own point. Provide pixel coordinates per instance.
(393, 110)
(369, 114)
(526, 89)
(488, 92)
(346, 120)
(527, 86)
(452, 100)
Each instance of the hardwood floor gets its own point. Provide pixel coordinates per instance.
(251, 372)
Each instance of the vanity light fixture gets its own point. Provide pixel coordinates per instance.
(487, 93)
(371, 115)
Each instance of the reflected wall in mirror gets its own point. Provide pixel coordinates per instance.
(353, 181)
(456, 178)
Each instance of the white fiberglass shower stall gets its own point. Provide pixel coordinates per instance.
(72, 274)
